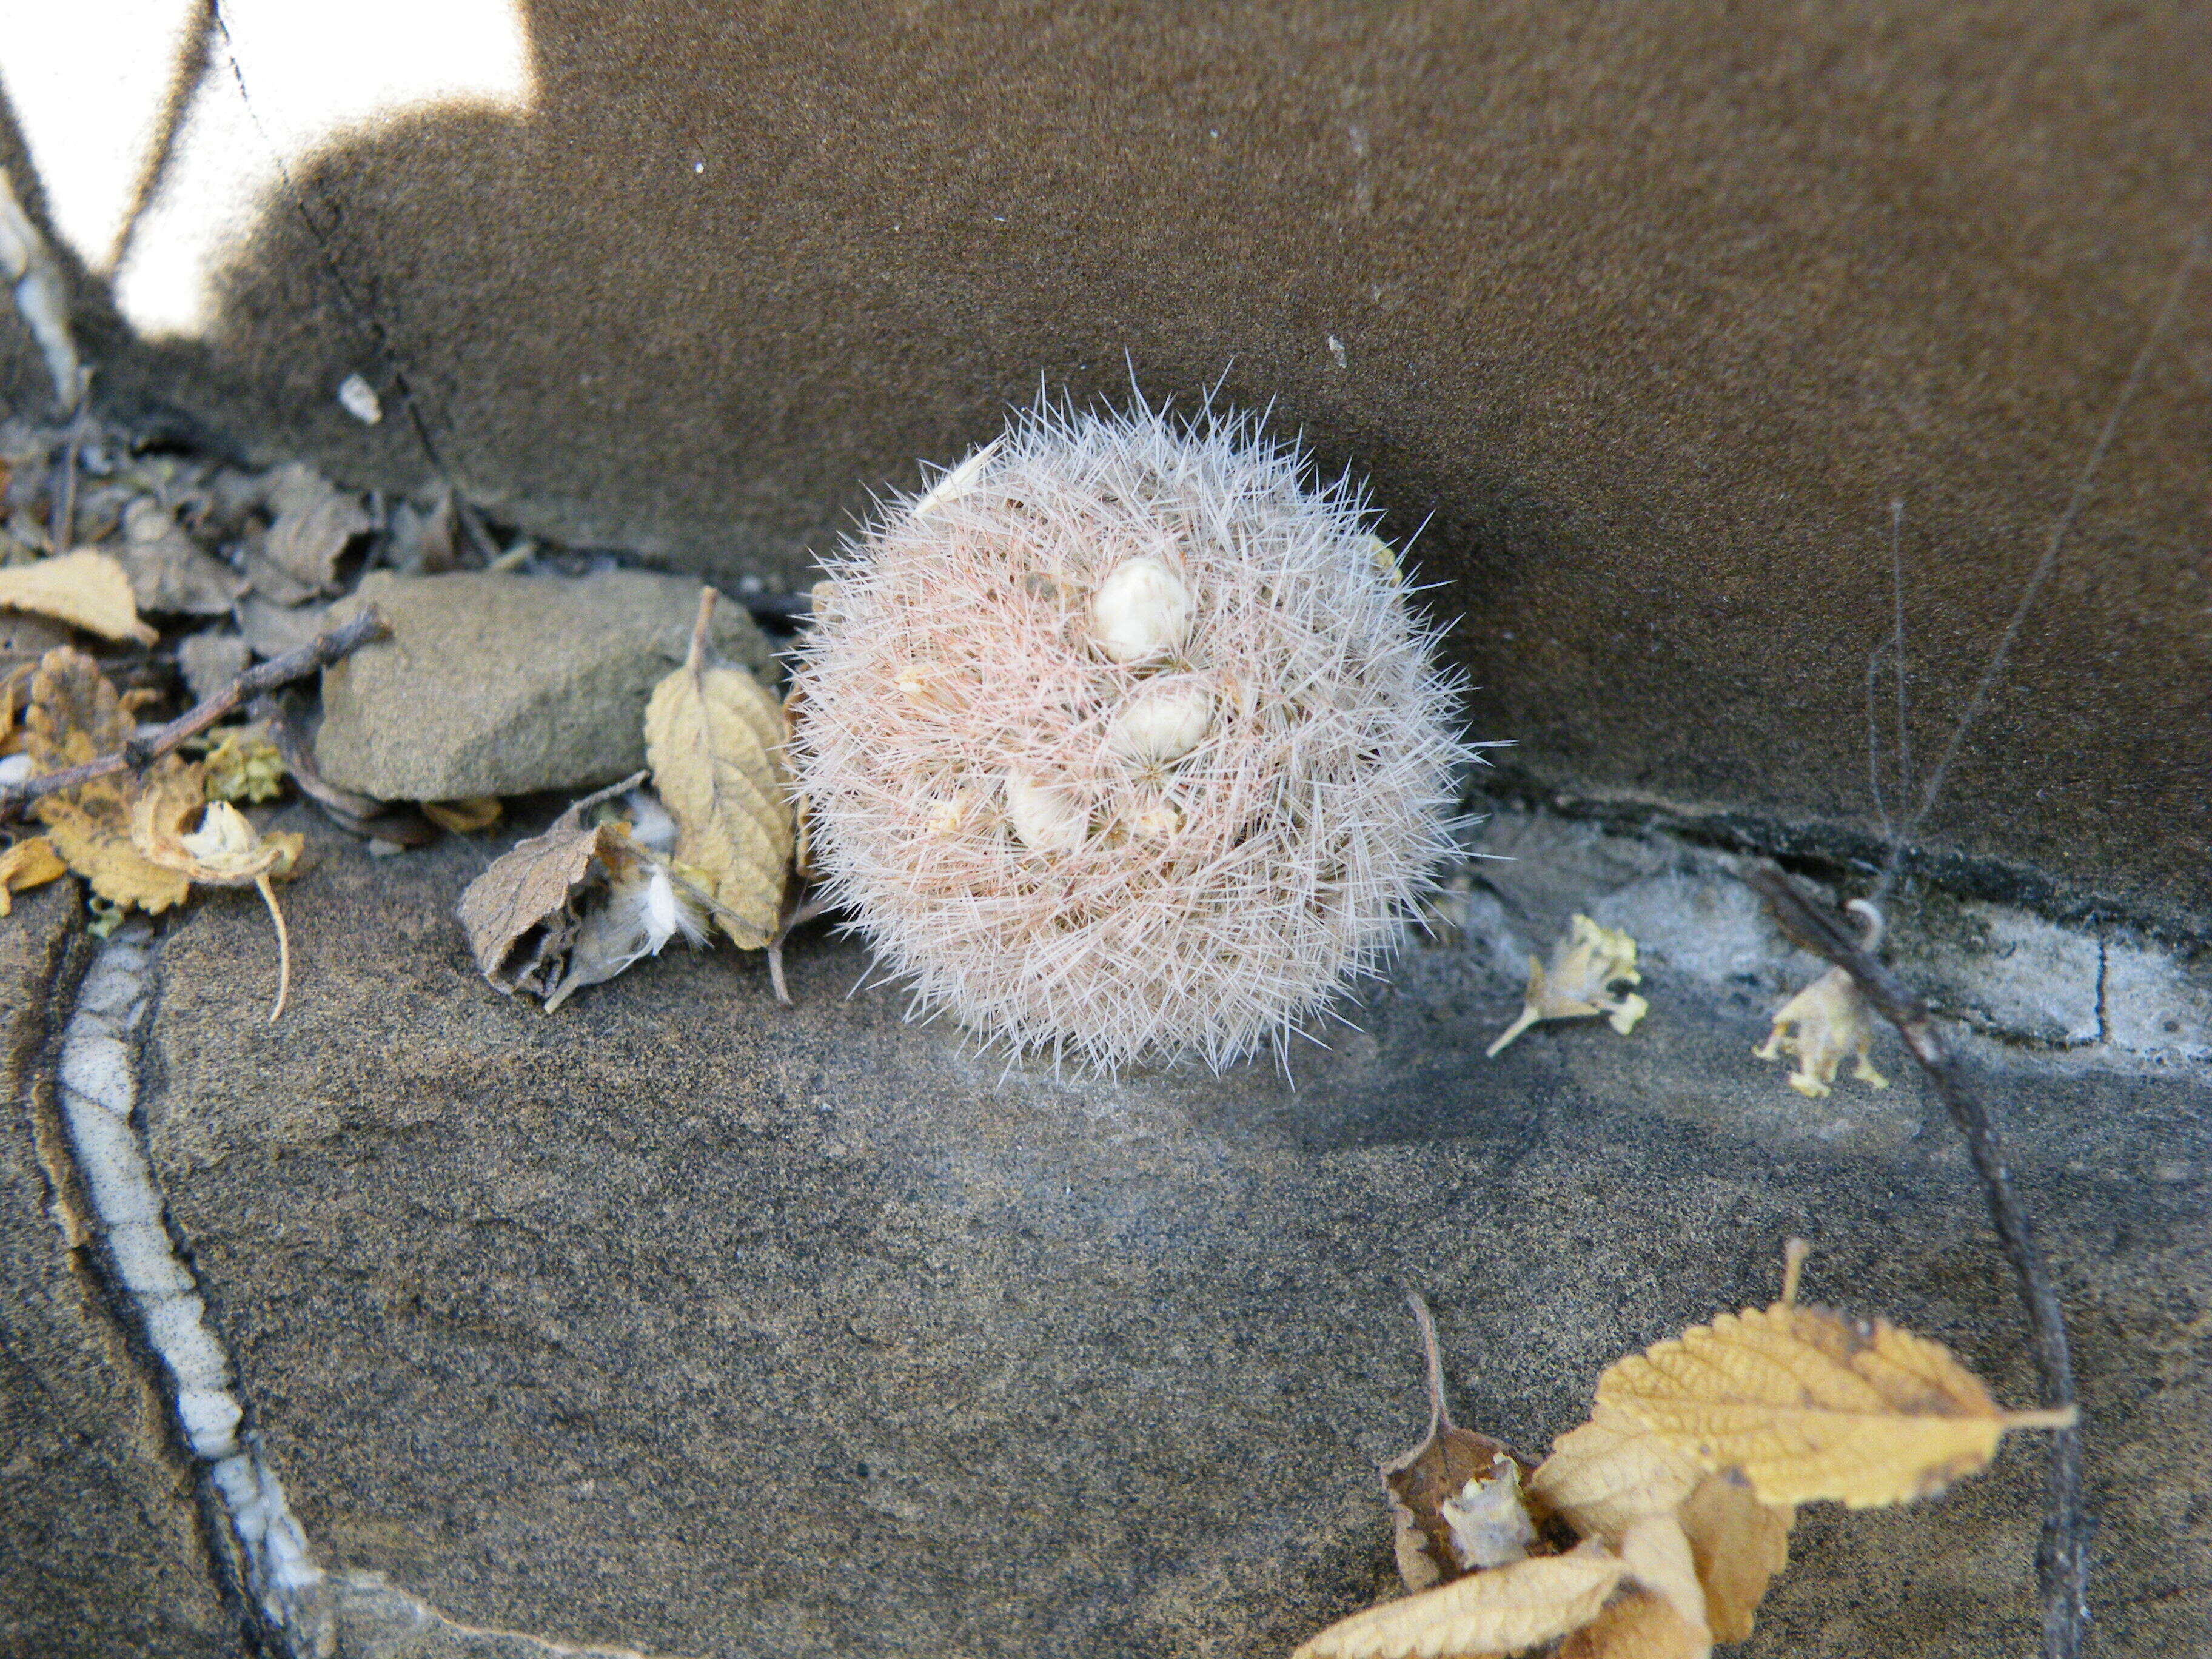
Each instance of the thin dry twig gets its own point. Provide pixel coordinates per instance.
(2062, 1557)
(142, 751)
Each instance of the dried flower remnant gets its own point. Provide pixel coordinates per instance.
(1584, 964)
(1119, 743)
(1827, 1022)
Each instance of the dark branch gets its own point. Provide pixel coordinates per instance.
(2062, 1558)
(143, 751)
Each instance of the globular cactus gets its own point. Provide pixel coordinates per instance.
(1123, 742)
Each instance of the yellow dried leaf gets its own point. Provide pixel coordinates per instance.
(465, 816)
(1501, 1611)
(87, 589)
(1739, 1545)
(1573, 984)
(713, 737)
(1809, 1405)
(30, 863)
(75, 716)
(1611, 1472)
(224, 850)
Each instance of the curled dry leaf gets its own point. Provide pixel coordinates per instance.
(713, 737)
(642, 911)
(1809, 1405)
(1611, 1472)
(87, 589)
(1501, 1611)
(225, 850)
(1438, 1472)
(1639, 1625)
(520, 914)
(75, 716)
(1739, 1544)
(29, 863)
(169, 572)
(1573, 984)
(315, 522)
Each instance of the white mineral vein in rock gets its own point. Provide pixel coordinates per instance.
(99, 1091)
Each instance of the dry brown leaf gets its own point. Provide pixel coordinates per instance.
(29, 863)
(1501, 1611)
(169, 572)
(76, 716)
(315, 522)
(1436, 1473)
(1640, 1625)
(1656, 1553)
(1611, 1472)
(1739, 1545)
(520, 914)
(87, 589)
(463, 818)
(713, 737)
(1809, 1405)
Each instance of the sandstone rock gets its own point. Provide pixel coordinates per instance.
(499, 684)
(687, 1322)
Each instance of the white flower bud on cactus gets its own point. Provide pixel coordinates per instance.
(1098, 602)
(1141, 611)
(1160, 723)
(1047, 820)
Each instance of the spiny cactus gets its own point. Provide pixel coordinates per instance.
(1121, 741)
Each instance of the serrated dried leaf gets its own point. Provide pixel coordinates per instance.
(1739, 1544)
(1501, 1611)
(87, 589)
(713, 737)
(524, 899)
(1436, 1473)
(75, 716)
(1809, 1405)
(29, 863)
(463, 817)
(1611, 1471)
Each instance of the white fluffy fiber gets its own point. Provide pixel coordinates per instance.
(982, 762)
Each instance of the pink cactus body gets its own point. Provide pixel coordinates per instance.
(1123, 743)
